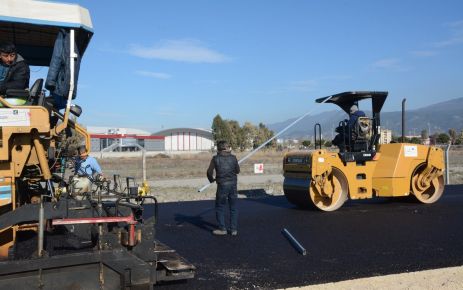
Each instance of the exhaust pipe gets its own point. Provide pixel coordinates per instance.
(403, 120)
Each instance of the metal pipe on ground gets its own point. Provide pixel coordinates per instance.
(294, 242)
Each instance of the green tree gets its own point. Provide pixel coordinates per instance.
(263, 134)
(443, 138)
(248, 133)
(306, 143)
(236, 138)
(221, 130)
(218, 126)
(453, 135)
(415, 140)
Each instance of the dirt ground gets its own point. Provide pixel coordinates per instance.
(178, 177)
(162, 166)
(445, 278)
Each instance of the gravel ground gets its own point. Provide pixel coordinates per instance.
(445, 278)
(170, 190)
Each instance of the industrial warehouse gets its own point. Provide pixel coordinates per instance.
(105, 139)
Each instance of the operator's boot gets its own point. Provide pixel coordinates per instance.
(219, 232)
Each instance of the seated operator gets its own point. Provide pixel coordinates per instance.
(86, 169)
(341, 139)
(14, 71)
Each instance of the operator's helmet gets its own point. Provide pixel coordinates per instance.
(222, 145)
(353, 109)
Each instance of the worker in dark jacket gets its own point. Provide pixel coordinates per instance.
(342, 138)
(355, 113)
(59, 76)
(226, 169)
(14, 71)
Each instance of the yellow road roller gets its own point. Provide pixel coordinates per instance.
(362, 168)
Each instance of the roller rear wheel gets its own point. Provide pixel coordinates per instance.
(337, 199)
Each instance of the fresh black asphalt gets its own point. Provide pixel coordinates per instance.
(362, 239)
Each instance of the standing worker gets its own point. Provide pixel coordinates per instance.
(226, 169)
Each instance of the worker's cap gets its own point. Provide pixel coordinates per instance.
(353, 109)
(222, 145)
(82, 150)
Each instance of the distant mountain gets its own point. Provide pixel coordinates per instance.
(438, 118)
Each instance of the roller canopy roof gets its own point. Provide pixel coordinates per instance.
(33, 26)
(347, 99)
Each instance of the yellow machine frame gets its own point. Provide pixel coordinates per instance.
(21, 146)
(326, 179)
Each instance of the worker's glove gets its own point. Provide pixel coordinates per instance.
(100, 177)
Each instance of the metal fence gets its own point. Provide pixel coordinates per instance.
(454, 164)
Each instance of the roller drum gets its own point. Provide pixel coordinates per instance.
(297, 191)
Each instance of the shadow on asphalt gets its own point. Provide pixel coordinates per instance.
(195, 220)
(254, 193)
(261, 196)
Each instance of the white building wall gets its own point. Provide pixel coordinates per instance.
(180, 141)
(193, 139)
(186, 139)
(174, 143)
(204, 143)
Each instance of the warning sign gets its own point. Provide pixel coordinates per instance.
(259, 168)
(411, 151)
(15, 117)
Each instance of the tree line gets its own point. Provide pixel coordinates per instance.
(239, 137)
(452, 137)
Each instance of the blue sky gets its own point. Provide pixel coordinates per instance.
(162, 64)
